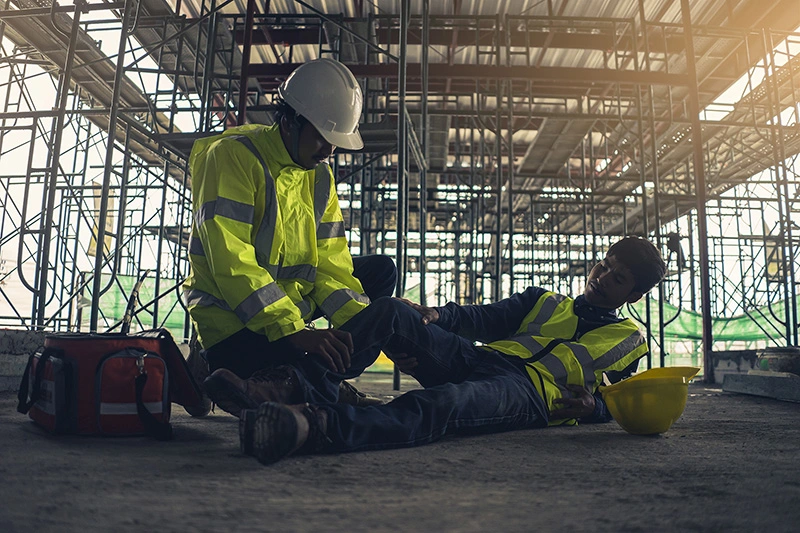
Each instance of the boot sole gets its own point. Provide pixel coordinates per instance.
(274, 433)
(247, 420)
(227, 396)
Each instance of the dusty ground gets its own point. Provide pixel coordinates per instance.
(729, 464)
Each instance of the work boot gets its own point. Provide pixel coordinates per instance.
(232, 393)
(350, 395)
(198, 368)
(280, 430)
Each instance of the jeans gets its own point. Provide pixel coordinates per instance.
(246, 351)
(467, 389)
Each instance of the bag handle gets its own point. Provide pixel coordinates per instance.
(152, 426)
(23, 404)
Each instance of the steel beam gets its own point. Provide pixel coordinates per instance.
(577, 76)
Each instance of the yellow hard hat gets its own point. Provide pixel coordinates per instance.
(687, 372)
(647, 405)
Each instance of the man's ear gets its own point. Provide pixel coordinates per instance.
(284, 124)
(634, 297)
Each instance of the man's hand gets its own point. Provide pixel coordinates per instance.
(333, 345)
(579, 406)
(405, 363)
(429, 314)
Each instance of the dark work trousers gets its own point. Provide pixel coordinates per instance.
(246, 351)
(467, 389)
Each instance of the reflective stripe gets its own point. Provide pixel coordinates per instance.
(330, 230)
(339, 299)
(196, 246)
(257, 301)
(128, 408)
(528, 342)
(234, 210)
(583, 356)
(205, 212)
(195, 297)
(322, 190)
(556, 367)
(304, 272)
(266, 230)
(225, 207)
(545, 313)
(304, 307)
(630, 343)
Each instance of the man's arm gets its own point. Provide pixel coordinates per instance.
(336, 291)
(492, 322)
(601, 413)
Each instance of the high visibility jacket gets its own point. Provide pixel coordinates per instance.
(556, 356)
(268, 244)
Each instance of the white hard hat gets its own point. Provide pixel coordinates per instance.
(327, 94)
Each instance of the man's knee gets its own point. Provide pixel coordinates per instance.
(385, 265)
(386, 304)
(377, 274)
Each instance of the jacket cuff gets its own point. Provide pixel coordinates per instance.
(275, 332)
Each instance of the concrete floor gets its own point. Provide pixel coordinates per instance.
(729, 464)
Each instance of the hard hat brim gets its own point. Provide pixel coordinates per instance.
(347, 141)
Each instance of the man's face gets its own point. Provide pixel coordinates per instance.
(312, 148)
(610, 284)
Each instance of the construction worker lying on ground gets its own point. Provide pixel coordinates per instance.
(268, 250)
(543, 357)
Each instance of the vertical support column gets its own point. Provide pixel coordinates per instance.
(367, 195)
(642, 180)
(700, 192)
(656, 179)
(40, 294)
(160, 247)
(781, 188)
(206, 101)
(248, 44)
(402, 163)
(402, 151)
(510, 188)
(97, 289)
(474, 203)
(497, 292)
(656, 190)
(423, 173)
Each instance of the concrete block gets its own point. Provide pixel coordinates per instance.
(777, 385)
(12, 364)
(15, 348)
(733, 362)
(12, 367)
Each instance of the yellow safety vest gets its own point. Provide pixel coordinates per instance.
(556, 357)
(268, 244)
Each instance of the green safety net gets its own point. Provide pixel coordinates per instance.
(113, 303)
(757, 324)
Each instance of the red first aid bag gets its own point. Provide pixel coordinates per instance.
(107, 384)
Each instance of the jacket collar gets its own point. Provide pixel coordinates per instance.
(587, 311)
(277, 150)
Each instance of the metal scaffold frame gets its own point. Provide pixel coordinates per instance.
(493, 159)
